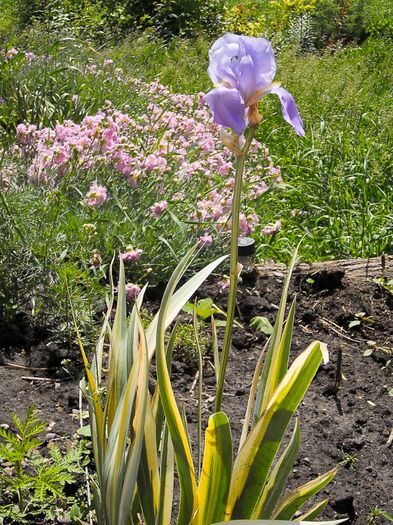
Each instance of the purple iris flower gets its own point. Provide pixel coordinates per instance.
(242, 69)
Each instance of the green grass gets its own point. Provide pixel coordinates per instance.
(339, 176)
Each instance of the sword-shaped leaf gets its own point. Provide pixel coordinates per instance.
(179, 299)
(118, 337)
(132, 459)
(278, 522)
(278, 476)
(216, 470)
(148, 475)
(188, 489)
(166, 480)
(287, 508)
(314, 512)
(276, 361)
(255, 458)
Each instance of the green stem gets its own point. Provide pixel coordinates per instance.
(233, 276)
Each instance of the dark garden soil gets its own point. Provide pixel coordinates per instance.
(346, 417)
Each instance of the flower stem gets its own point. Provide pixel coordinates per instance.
(233, 276)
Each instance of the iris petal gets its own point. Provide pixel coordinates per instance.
(228, 108)
(246, 80)
(221, 54)
(262, 54)
(289, 109)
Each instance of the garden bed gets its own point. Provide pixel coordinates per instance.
(345, 418)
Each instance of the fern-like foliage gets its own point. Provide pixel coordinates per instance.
(32, 481)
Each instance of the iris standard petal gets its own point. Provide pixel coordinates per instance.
(221, 55)
(246, 80)
(262, 54)
(289, 109)
(228, 108)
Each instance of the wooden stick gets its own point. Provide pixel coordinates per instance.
(32, 378)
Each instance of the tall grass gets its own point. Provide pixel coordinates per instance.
(339, 184)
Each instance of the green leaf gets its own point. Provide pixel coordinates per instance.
(188, 308)
(277, 522)
(166, 480)
(169, 307)
(295, 499)
(84, 431)
(262, 324)
(178, 300)
(205, 308)
(275, 358)
(118, 356)
(385, 515)
(138, 423)
(255, 458)
(275, 486)
(221, 323)
(315, 511)
(148, 476)
(216, 470)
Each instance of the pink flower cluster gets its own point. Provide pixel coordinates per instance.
(96, 195)
(174, 153)
(11, 53)
(132, 291)
(158, 208)
(272, 229)
(131, 255)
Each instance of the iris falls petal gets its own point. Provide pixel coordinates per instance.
(289, 109)
(228, 108)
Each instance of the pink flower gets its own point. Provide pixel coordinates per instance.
(96, 196)
(158, 208)
(10, 53)
(132, 291)
(63, 156)
(201, 99)
(271, 230)
(30, 57)
(259, 189)
(152, 162)
(247, 223)
(108, 63)
(25, 133)
(223, 284)
(205, 240)
(179, 196)
(131, 255)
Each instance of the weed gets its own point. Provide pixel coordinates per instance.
(185, 343)
(349, 461)
(375, 513)
(33, 480)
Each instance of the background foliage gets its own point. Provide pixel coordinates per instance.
(334, 56)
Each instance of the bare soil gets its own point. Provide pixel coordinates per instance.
(346, 417)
